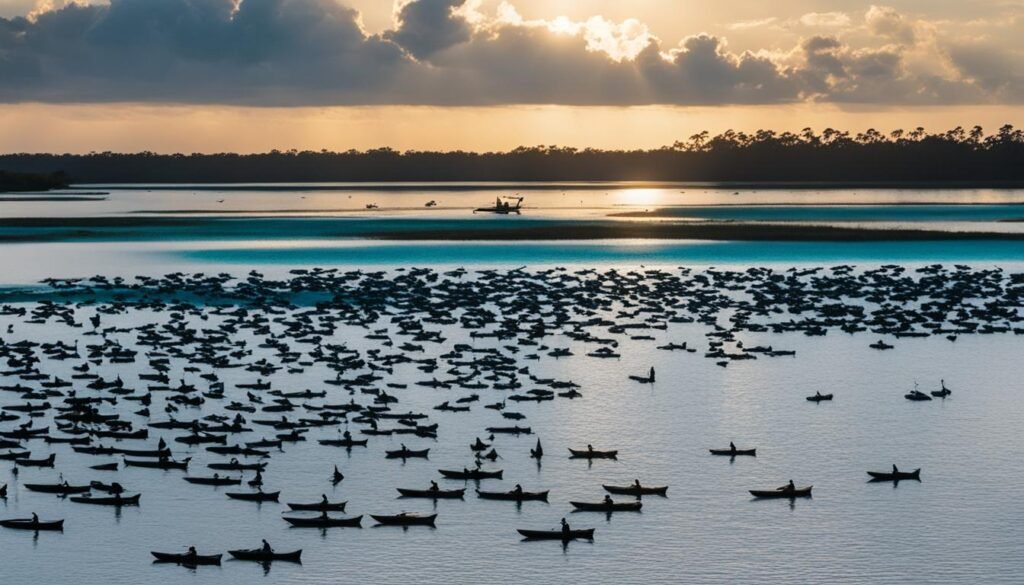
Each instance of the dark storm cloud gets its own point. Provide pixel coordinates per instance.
(314, 52)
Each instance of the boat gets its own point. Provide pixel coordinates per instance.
(406, 453)
(105, 467)
(783, 492)
(514, 496)
(107, 501)
(432, 494)
(57, 488)
(593, 454)
(503, 207)
(564, 536)
(819, 398)
(158, 464)
(538, 451)
(30, 524)
(634, 490)
(895, 476)
(186, 559)
(47, 462)
(319, 507)
(214, 480)
(405, 519)
(607, 506)
(261, 556)
(917, 396)
(734, 452)
(344, 442)
(254, 496)
(324, 522)
(474, 474)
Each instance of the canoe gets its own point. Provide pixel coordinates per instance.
(474, 474)
(433, 494)
(29, 524)
(513, 496)
(404, 519)
(890, 476)
(319, 507)
(15, 455)
(587, 534)
(158, 464)
(588, 454)
(320, 522)
(406, 454)
(819, 398)
(186, 559)
(213, 480)
(105, 467)
(632, 490)
(261, 556)
(107, 501)
(254, 496)
(237, 466)
(48, 462)
(509, 430)
(56, 488)
(344, 443)
(604, 507)
(731, 453)
(804, 492)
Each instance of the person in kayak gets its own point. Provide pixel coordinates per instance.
(732, 447)
(565, 528)
(266, 547)
(323, 500)
(789, 487)
(636, 483)
(434, 487)
(518, 490)
(607, 500)
(192, 553)
(894, 470)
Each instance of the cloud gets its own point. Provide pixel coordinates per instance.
(450, 52)
(427, 26)
(825, 19)
(887, 22)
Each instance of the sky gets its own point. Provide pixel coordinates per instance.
(253, 75)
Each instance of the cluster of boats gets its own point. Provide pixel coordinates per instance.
(189, 330)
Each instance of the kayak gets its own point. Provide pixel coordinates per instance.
(29, 524)
(261, 556)
(56, 488)
(804, 492)
(731, 453)
(319, 507)
(344, 443)
(105, 467)
(513, 496)
(819, 397)
(605, 507)
(433, 494)
(187, 559)
(587, 534)
(475, 474)
(588, 454)
(405, 519)
(48, 462)
(632, 490)
(254, 496)
(108, 501)
(320, 522)
(890, 476)
(213, 480)
(159, 464)
(406, 454)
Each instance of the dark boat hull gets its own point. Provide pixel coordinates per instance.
(804, 492)
(405, 520)
(187, 560)
(258, 555)
(107, 501)
(635, 491)
(317, 522)
(736, 453)
(27, 524)
(319, 507)
(587, 534)
(898, 476)
(513, 496)
(603, 507)
(585, 454)
(433, 494)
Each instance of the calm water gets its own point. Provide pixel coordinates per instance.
(962, 524)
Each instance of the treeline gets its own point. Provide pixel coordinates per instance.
(958, 156)
(10, 182)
